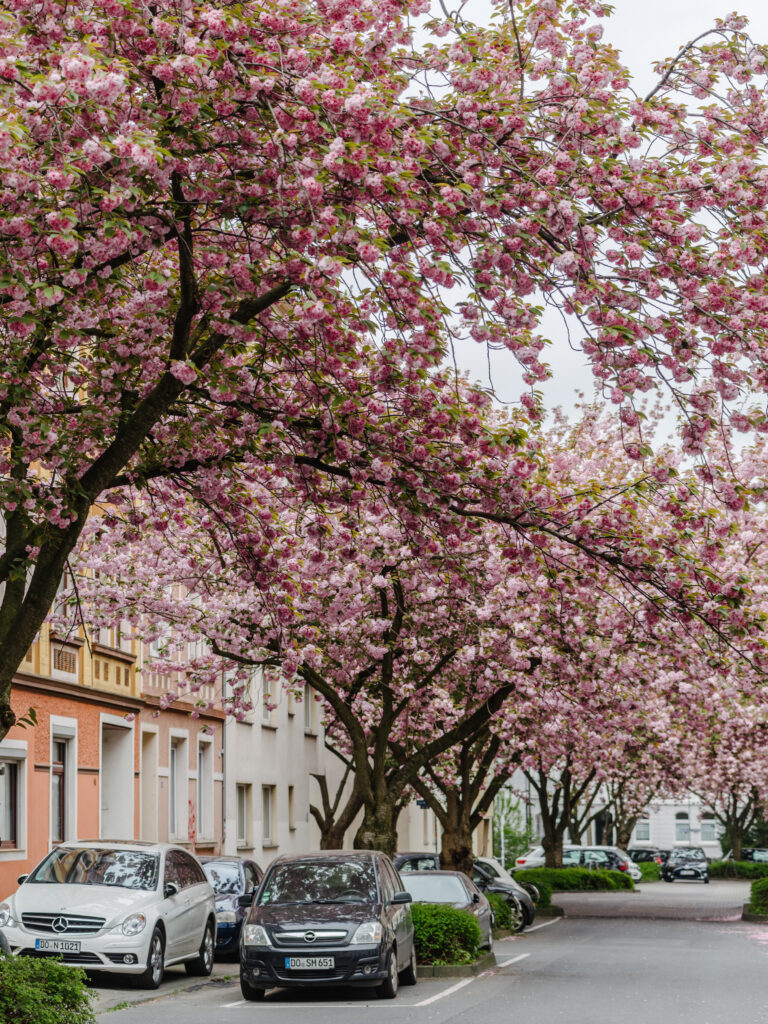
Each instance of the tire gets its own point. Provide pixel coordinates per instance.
(410, 975)
(250, 992)
(489, 944)
(202, 965)
(388, 988)
(706, 880)
(517, 917)
(153, 974)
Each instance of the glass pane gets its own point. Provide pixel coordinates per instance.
(8, 775)
(57, 808)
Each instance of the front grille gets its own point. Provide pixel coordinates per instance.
(68, 958)
(65, 924)
(297, 937)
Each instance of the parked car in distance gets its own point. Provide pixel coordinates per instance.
(329, 918)
(755, 854)
(490, 877)
(416, 861)
(130, 908)
(532, 858)
(230, 877)
(603, 858)
(688, 863)
(455, 889)
(647, 854)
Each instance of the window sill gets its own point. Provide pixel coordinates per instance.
(269, 844)
(268, 725)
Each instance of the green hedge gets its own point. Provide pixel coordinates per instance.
(574, 880)
(650, 870)
(737, 869)
(500, 910)
(444, 935)
(42, 992)
(758, 896)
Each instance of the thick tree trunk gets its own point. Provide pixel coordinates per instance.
(624, 831)
(332, 837)
(737, 841)
(552, 841)
(456, 850)
(378, 829)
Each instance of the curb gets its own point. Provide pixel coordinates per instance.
(457, 970)
(747, 915)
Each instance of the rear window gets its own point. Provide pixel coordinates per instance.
(224, 877)
(693, 854)
(427, 888)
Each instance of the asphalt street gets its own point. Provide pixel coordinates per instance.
(696, 966)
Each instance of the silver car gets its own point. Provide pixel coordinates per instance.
(129, 908)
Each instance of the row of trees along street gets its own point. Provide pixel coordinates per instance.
(240, 247)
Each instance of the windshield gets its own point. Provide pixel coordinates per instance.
(426, 888)
(224, 878)
(693, 854)
(320, 881)
(128, 869)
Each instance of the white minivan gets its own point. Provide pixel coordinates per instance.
(128, 907)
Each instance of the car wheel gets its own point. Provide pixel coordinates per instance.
(489, 943)
(388, 988)
(516, 917)
(250, 992)
(202, 965)
(153, 974)
(410, 976)
(706, 880)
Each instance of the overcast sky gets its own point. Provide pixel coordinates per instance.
(644, 31)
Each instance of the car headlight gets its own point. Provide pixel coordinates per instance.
(134, 924)
(369, 931)
(255, 935)
(226, 916)
(6, 917)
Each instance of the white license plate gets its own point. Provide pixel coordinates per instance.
(57, 945)
(687, 871)
(309, 963)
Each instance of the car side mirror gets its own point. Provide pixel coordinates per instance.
(170, 889)
(475, 897)
(246, 899)
(21, 879)
(402, 897)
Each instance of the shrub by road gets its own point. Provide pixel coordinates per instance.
(549, 880)
(445, 935)
(42, 992)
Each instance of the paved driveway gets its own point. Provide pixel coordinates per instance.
(682, 901)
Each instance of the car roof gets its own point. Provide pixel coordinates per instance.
(434, 874)
(340, 855)
(125, 844)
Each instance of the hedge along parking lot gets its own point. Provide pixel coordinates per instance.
(445, 935)
(549, 880)
(42, 992)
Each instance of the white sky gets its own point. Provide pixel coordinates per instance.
(644, 31)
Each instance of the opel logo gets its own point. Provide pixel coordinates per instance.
(309, 936)
(60, 924)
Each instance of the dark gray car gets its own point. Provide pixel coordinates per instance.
(330, 918)
(455, 889)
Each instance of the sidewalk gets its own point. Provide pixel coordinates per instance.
(112, 992)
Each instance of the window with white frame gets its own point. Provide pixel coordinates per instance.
(266, 693)
(243, 793)
(708, 828)
(308, 702)
(682, 827)
(205, 789)
(643, 829)
(10, 778)
(267, 814)
(291, 808)
(177, 788)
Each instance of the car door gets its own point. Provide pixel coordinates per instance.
(402, 920)
(481, 909)
(174, 907)
(197, 891)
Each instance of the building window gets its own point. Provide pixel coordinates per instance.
(9, 804)
(205, 790)
(308, 702)
(682, 827)
(243, 823)
(291, 808)
(58, 791)
(266, 714)
(643, 829)
(267, 799)
(177, 788)
(708, 828)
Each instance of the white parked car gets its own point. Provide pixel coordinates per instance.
(133, 908)
(610, 857)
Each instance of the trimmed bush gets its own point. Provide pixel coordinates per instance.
(445, 935)
(737, 869)
(575, 880)
(42, 992)
(501, 910)
(758, 896)
(650, 870)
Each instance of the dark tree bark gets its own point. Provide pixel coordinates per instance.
(556, 805)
